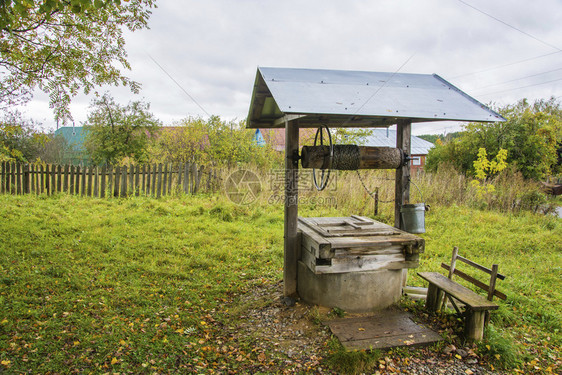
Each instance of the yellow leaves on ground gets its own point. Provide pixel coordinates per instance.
(5, 362)
(114, 361)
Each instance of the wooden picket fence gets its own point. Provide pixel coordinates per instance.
(119, 181)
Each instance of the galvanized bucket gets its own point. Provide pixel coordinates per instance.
(413, 217)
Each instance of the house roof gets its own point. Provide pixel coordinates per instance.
(74, 135)
(387, 138)
(341, 98)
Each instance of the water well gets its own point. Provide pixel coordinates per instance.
(354, 263)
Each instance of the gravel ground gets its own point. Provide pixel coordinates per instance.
(296, 342)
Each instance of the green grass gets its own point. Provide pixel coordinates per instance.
(528, 249)
(143, 285)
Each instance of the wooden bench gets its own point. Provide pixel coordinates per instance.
(477, 307)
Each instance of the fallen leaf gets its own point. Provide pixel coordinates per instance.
(114, 361)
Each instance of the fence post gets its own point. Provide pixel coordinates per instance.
(53, 179)
(83, 181)
(48, 189)
(18, 179)
(71, 180)
(137, 180)
(116, 181)
(102, 182)
(2, 172)
(124, 181)
(25, 179)
(170, 179)
(147, 180)
(109, 180)
(164, 179)
(65, 179)
(159, 186)
(90, 176)
(96, 182)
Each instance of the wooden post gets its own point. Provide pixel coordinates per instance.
(65, 181)
(19, 178)
(402, 182)
(90, 181)
(144, 178)
(186, 179)
(25, 179)
(109, 180)
(377, 201)
(137, 180)
(48, 187)
(59, 178)
(165, 179)
(147, 182)
(96, 182)
(131, 179)
(124, 172)
(170, 179)
(83, 181)
(159, 186)
(116, 181)
(291, 209)
(474, 325)
(154, 180)
(102, 182)
(2, 174)
(42, 175)
(71, 182)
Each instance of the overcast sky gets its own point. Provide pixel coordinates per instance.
(212, 49)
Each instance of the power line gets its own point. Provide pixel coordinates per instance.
(505, 65)
(511, 26)
(518, 79)
(521, 87)
(181, 88)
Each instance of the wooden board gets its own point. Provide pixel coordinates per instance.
(465, 295)
(324, 236)
(385, 329)
(357, 263)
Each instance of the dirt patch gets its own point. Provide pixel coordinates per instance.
(291, 339)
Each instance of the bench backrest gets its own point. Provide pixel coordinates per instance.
(490, 288)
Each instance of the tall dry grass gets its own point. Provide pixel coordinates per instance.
(352, 192)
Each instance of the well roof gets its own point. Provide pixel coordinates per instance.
(340, 98)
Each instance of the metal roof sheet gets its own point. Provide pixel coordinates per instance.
(387, 138)
(358, 99)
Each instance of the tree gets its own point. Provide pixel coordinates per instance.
(63, 46)
(114, 132)
(19, 138)
(530, 135)
(184, 142)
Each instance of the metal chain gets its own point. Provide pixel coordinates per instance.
(372, 195)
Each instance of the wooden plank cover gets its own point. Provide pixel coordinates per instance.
(385, 329)
(465, 295)
(327, 234)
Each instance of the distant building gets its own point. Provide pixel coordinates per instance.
(74, 152)
(387, 138)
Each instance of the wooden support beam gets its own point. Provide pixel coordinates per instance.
(291, 209)
(402, 183)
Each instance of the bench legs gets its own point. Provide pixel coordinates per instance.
(474, 324)
(474, 320)
(434, 297)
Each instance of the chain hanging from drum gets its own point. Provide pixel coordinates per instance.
(324, 156)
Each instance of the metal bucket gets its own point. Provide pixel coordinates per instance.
(413, 217)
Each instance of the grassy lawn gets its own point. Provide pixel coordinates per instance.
(142, 285)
